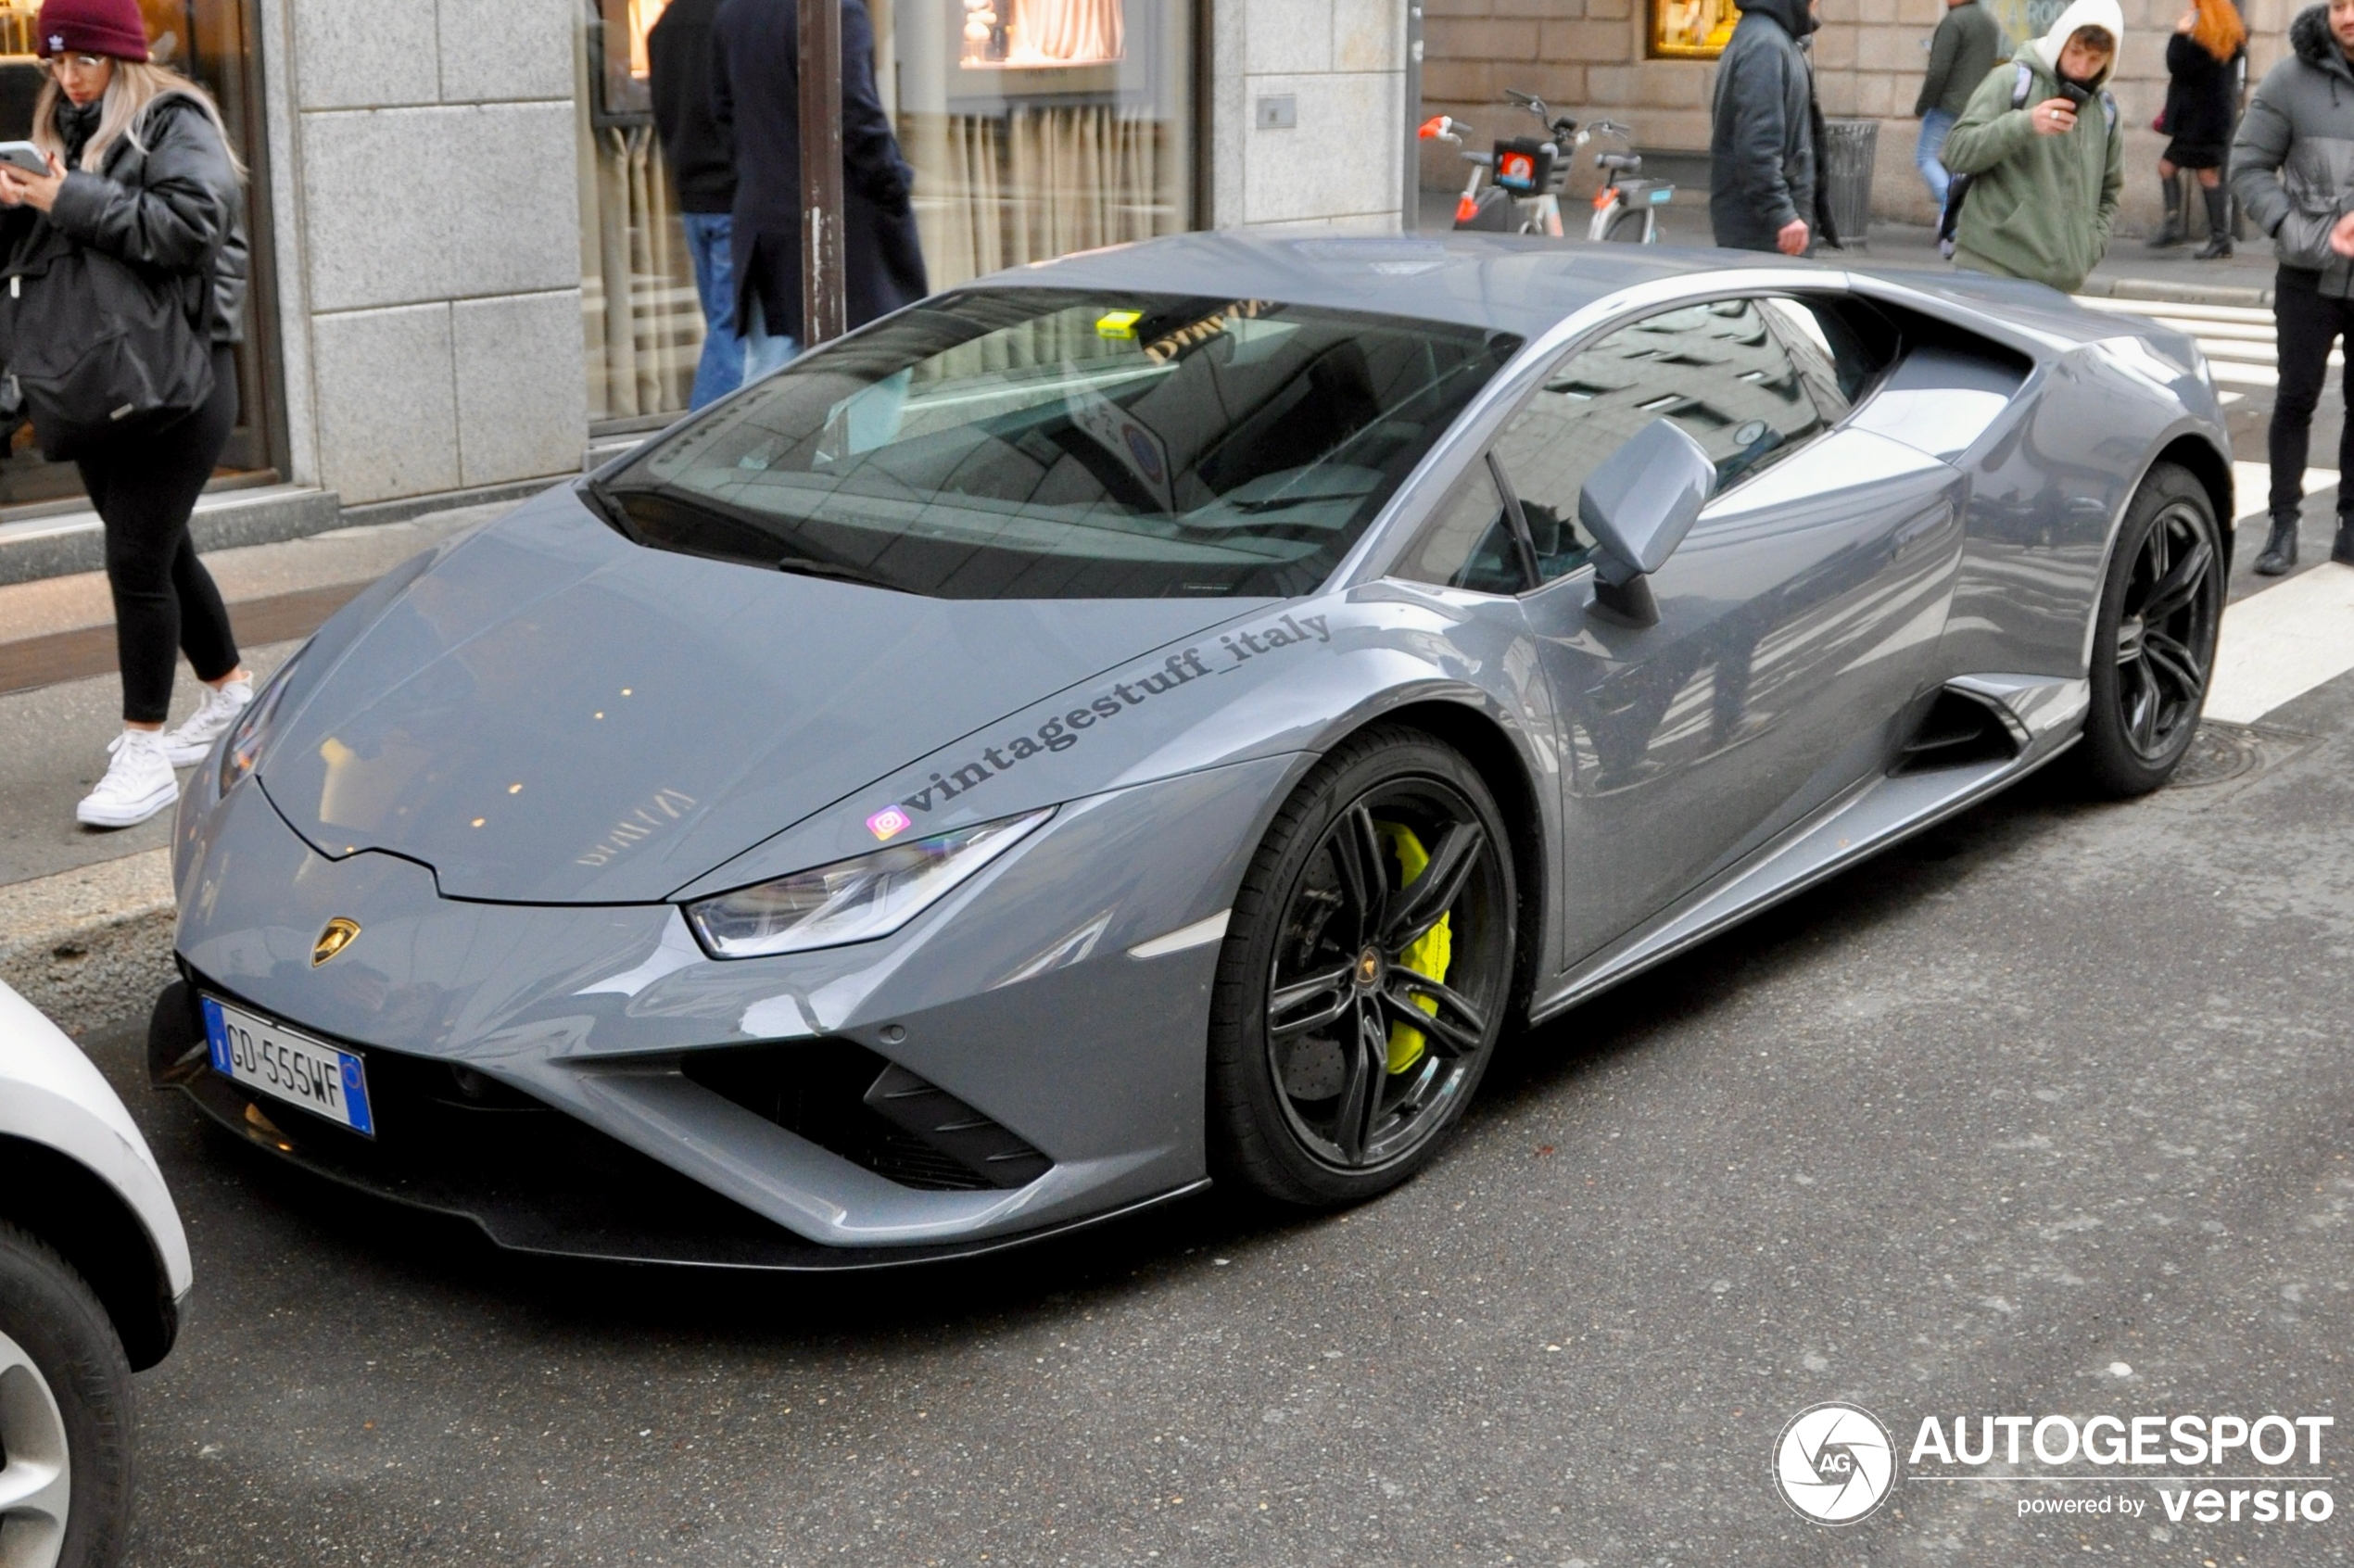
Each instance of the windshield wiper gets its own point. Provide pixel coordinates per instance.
(607, 506)
(810, 566)
(1276, 503)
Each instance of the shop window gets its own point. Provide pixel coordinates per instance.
(209, 41)
(1039, 127)
(1691, 30)
(1036, 127)
(641, 323)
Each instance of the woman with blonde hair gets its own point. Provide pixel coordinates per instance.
(141, 171)
(2202, 69)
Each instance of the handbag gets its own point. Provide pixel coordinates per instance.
(99, 346)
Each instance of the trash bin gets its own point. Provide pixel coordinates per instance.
(1847, 176)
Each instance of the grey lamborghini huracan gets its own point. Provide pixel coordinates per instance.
(1161, 715)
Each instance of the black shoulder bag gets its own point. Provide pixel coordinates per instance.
(97, 346)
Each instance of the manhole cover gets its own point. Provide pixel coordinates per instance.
(2219, 753)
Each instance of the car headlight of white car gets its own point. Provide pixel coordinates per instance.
(855, 900)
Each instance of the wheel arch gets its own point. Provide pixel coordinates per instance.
(2213, 470)
(92, 1228)
(2193, 451)
(1482, 741)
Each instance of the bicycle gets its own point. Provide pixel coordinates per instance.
(1528, 176)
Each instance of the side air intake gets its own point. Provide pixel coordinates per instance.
(872, 1112)
(1959, 731)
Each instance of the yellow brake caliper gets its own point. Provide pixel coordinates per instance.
(1428, 955)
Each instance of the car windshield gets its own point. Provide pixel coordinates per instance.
(1055, 444)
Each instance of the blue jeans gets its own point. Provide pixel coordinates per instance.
(1934, 126)
(721, 368)
(764, 355)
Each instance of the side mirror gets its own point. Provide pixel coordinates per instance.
(1638, 505)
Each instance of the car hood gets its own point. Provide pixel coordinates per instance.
(551, 715)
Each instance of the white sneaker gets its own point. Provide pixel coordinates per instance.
(138, 784)
(186, 746)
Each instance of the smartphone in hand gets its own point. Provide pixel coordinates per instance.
(24, 158)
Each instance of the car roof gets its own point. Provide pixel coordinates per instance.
(1506, 282)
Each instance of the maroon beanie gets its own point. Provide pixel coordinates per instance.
(93, 26)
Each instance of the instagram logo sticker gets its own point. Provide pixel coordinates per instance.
(888, 823)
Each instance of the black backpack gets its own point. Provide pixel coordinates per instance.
(97, 346)
(1949, 221)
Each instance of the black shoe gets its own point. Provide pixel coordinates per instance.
(2341, 549)
(2279, 551)
(2175, 231)
(2218, 224)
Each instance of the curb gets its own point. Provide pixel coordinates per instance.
(2177, 293)
(91, 946)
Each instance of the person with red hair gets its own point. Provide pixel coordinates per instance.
(2202, 90)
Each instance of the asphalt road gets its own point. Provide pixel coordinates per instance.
(2055, 1091)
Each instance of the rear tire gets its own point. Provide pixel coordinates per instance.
(1339, 1060)
(65, 1384)
(2152, 637)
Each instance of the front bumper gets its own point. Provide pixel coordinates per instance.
(645, 1101)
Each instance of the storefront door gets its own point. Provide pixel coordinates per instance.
(211, 41)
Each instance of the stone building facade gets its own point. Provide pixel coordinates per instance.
(1602, 57)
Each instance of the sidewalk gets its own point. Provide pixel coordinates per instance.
(85, 917)
(2131, 270)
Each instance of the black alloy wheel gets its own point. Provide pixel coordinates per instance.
(2154, 640)
(1366, 975)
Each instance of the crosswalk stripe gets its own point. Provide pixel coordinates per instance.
(2280, 644)
(2252, 486)
(2240, 341)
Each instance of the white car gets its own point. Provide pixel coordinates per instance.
(94, 1269)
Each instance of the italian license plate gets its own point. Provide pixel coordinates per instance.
(288, 1064)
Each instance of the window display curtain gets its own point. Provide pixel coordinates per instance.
(1066, 29)
(1041, 181)
(642, 322)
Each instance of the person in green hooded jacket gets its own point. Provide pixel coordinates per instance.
(2046, 173)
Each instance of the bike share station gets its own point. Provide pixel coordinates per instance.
(1516, 186)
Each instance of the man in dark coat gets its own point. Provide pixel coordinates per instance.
(1763, 183)
(704, 167)
(755, 100)
(2293, 170)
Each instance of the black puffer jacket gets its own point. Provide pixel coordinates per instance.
(1765, 138)
(2293, 160)
(175, 207)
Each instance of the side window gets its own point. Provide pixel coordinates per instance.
(1468, 541)
(1839, 346)
(1718, 370)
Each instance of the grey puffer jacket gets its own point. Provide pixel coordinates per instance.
(175, 207)
(2293, 160)
(1762, 148)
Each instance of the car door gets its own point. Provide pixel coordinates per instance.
(1796, 620)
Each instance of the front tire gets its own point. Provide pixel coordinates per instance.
(2154, 638)
(64, 1415)
(1339, 1060)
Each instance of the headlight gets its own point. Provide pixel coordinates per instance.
(243, 747)
(851, 900)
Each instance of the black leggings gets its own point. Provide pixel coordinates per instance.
(145, 487)
(2309, 324)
